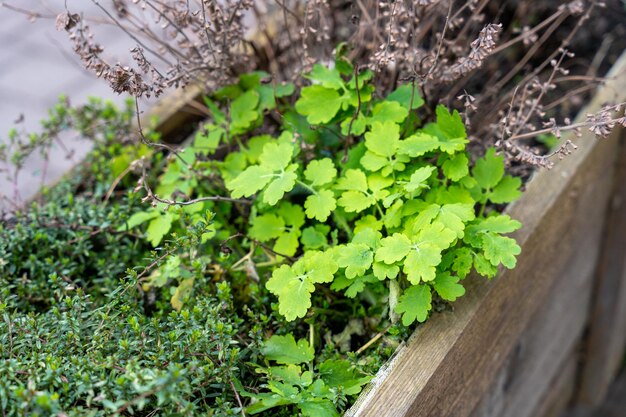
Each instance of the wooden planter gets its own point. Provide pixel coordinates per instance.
(513, 346)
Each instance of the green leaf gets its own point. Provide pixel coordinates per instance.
(367, 236)
(358, 125)
(274, 172)
(139, 218)
(252, 79)
(159, 227)
(489, 170)
(338, 373)
(292, 214)
(207, 140)
(388, 111)
(354, 179)
(367, 221)
(269, 92)
(418, 179)
(382, 270)
(425, 215)
(420, 264)
(450, 124)
(250, 181)
(393, 248)
(315, 237)
(276, 156)
(414, 304)
(218, 116)
(448, 287)
(285, 350)
(418, 144)
(328, 78)
(483, 266)
(393, 216)
(233, 165)
(320, 172)
(454, 217)
(266, 227)
(383, 138)
(293, 292)
(318, 408)
(462, 263)
(373, 162)
(255, 147)
(356, 258)
(320, 205)
(355, 201)
(243, 111)
(282, 183)
(319, 104)
(506, 191)
(382, 142)
(290, 374)
(500, 223)
(317, 266)
(294, 284)
(403, 95)
(449, 129)
(425, 254)
(456, 167)
(500, 250)
(287, 243)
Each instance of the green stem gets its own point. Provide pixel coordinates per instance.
(306, 186)
(380, 211)
(311, 342)
(342, 223)
(482, 209)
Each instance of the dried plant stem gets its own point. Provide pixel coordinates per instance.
(373, 340)
(532, 31)
(232, 386)
(573, 126)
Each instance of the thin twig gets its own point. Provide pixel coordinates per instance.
(373, 340)
(146, 142)
(243, 412)
(118, 179)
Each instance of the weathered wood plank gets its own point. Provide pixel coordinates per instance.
(450, 362)
(562, 388)
(606, 342)
(555, 328)
(614, 404)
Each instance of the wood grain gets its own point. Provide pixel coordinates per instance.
(605, 345)
(562, 388)
(450, 364)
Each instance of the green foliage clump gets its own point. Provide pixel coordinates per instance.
(69, 241)
(401, 206)
(315, 392)
(343, 195)
(77, 360)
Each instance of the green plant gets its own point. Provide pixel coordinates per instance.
(315, 391)
(404, 209)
